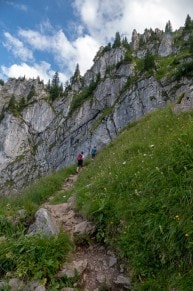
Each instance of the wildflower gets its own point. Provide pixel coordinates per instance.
(186, 234)
(8, 255)
(152, 146)
(177, 217)
(124, 162)
(64, 196)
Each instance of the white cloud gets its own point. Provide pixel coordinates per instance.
(96, 25)
(62, 49)
(66, 54)
(17, 47)
(43, 70)
(104, 18)
(86, 48)
(88, 10)
(35, 39)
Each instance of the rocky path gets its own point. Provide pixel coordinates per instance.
(98, 267)
(91, 266)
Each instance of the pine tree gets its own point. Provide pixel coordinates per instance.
(31, 93)
(1, 82)
(117, 42)
(149, 62)
(168, 27)
(21, 104)
(125, 43)
(55, 88)
(76, 77)
(12, 104)
(188, 23)
(55, 80)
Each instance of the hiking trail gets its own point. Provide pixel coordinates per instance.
(97, 266)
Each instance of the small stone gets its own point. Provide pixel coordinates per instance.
(123, 281)
(112, 261)
(101, 278)
(122, 268)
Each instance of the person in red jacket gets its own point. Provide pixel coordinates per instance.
(80, 161)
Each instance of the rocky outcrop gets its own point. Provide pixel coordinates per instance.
(43, 135)
(166, 46)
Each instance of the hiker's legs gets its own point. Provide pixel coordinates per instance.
(79, 166)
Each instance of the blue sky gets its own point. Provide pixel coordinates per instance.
(38, 38)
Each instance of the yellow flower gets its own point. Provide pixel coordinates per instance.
(186, 234)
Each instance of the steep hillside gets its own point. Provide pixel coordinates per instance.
(137, 192)
(43, 130)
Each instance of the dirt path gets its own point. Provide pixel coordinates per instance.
(97, 266)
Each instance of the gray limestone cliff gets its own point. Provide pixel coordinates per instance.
(39, 136)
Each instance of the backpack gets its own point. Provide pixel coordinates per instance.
(79, 157)
(93, 152)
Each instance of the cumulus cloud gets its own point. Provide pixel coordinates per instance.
(86, 48)
(43, 70)
(17, 47)
(66, 54)
(35, 39)
(104, 18)
(96, 24)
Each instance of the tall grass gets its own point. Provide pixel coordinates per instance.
(37, 193)
(139, 192)
(31, 257)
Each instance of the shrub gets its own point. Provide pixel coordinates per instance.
(84, 95)
(34, 257)
(184, 70)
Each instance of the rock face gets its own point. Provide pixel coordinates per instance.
(43, 135)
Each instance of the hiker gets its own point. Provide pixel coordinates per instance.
(93, 152)
(80, 161)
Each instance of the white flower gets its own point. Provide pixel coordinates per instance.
(124, 162)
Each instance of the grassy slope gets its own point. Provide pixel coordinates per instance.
(139, 193)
